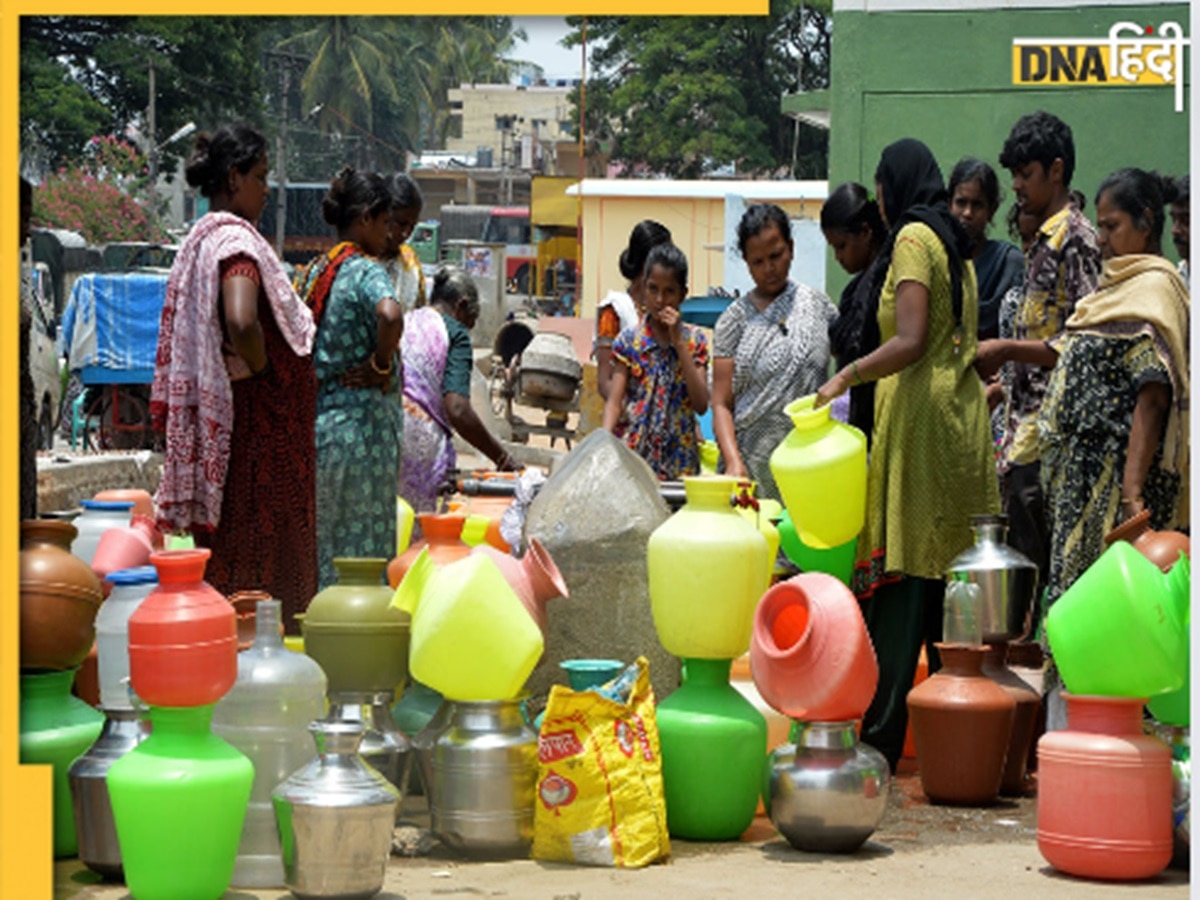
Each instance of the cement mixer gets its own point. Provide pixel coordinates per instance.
(537, 369)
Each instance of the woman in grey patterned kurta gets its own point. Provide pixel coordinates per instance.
(770, 347)
(359, 417)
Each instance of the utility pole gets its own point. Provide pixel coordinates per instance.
(281, 164)
(153, 161)
(286, 62)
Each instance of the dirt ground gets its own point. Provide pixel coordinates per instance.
(919, 851)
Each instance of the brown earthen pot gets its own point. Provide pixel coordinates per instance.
(1012, 782)
(441, 534)
(961, 722)
(245, 605)
(87, 679)
(60, 595)
(1160, 547)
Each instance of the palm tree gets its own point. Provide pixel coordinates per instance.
(383, 82)
(352, 74)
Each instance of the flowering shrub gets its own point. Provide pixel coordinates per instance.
(98, 196)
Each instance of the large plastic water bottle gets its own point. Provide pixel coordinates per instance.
(266, 716)
(96, 518)
(129, 588)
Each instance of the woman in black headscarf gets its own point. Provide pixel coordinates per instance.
(930, 468)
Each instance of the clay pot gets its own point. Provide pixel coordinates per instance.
(534, 577)
(143, 503)
(1012, 782)
(183, 636)
(961, 723)
(245, 607)
(442, 534)
(60, 595)
(87, 679)
(1160, 547)
(810, 653)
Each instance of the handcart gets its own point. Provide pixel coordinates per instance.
(110, 337)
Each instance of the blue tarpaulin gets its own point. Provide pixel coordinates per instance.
(111, 322)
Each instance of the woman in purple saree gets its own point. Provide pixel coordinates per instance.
(436, 350)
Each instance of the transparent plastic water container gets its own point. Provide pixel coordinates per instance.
(266, 715)
(97, 517)
(129, 588)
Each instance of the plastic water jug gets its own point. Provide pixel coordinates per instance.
(96, 518)
(1121, 629)
(811, 655)
(472, 638)
(1104, 792)
(266, 715)
(707, 568)
(130, 588)
(821, 470)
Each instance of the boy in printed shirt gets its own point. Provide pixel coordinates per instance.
(1061, 267)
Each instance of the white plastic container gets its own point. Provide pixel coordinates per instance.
(266, 715)
(96, 518)
(129, 588)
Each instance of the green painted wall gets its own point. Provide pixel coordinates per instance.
(945, 77)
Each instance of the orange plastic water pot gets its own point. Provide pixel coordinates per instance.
(1104, 792)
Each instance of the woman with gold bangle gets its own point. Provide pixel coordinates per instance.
(359, 419)
(437, 389)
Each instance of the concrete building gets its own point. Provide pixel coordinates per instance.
(701, 216)
(517, 126)
(958, 73)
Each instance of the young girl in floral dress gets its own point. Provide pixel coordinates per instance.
(660, 378)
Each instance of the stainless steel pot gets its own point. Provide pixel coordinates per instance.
(1007, 579)
(483, 772)
(827, 791)
(384, 746)
(98, 848)
(1178, 738)
(335, 818)
(422, 743)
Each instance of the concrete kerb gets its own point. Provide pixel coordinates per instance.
(64, 479)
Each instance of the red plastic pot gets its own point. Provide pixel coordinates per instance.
(810, 653)
(183, 637)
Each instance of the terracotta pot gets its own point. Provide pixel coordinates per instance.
(183, 636)
(60, 595)
(245, 607)
(87, 679)
(1105, 792)
(810, 653)
(442, 534)
(1160, 547)
(534, 577)
(961, 722)
(143, 503)
(1012, 782)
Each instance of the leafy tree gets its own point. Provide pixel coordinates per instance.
(685, 95)
(87, 75)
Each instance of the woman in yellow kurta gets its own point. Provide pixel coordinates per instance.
(930, 468)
